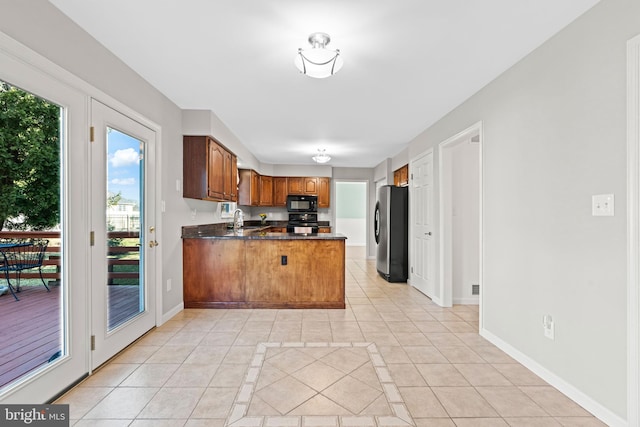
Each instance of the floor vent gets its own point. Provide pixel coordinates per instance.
(475, 289)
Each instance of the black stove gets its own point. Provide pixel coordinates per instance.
(302, 223)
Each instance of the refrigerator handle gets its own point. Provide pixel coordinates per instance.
(376, 223)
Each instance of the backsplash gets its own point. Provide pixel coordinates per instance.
(278, 214)
(210, 213)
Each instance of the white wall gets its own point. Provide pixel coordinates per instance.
(351, 214)
(299, 170)
(383, 171)
(465, 224)
(399, 160)
(554, 135)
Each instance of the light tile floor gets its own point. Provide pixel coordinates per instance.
(391, 358)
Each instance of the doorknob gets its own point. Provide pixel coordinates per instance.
(428, 233)
(153, 244)
(152, 229)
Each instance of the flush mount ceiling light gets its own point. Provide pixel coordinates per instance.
(321, 157)
(318, 62)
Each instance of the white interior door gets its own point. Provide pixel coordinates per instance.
(421, 201)
(123, 228)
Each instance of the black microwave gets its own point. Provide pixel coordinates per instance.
(298, 203)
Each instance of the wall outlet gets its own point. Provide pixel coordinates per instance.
(168, 285)
(602, 205)
(194, 213)
(548, 325)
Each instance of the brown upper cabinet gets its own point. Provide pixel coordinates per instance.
(210, 171)
(296, 185)
(324, 192)
(280, 190)
(249, 188)
(311, 186)
(401, 176)
(303, 185)
(230, 180)
(266, 190)
(257, 190)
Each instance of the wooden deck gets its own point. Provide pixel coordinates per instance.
(120, 262)
(30, 328)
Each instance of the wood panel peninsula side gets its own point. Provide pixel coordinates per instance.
(254, 268)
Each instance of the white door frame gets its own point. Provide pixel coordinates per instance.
(367, 219)
(633, 227)
(34, 73)
(445, 221)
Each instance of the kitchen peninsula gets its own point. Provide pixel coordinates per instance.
(255, 268)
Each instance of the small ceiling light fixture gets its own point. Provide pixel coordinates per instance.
(318, 62)
(321, 157)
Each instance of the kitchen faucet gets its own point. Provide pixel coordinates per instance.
(238, 221)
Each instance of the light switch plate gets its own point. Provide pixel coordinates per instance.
(548, 326)
(602, 205)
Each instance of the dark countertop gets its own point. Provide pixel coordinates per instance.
(250, 232)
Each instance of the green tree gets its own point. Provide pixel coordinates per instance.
(29, 160)
(113, 200)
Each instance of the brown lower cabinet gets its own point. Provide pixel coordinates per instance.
(245, 273)
(207, 259)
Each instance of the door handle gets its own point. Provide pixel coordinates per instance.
(428, 233)
(153, 244)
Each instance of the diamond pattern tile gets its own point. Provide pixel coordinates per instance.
(318, 375)
(290, 361)
(318, 382)
(286, 394)
(352, 394)
(345, 361)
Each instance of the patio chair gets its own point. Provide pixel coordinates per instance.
(21, 255)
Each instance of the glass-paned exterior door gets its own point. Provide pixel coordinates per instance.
(123, 230)
(32, 288)
(125, 227)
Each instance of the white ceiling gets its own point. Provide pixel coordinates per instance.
(406, 63)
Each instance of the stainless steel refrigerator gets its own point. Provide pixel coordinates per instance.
(391, 231)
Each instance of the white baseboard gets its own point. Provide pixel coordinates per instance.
(169, 314)
(467, 301)
(599, 411)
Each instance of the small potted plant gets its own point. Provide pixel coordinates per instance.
(263, 218)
